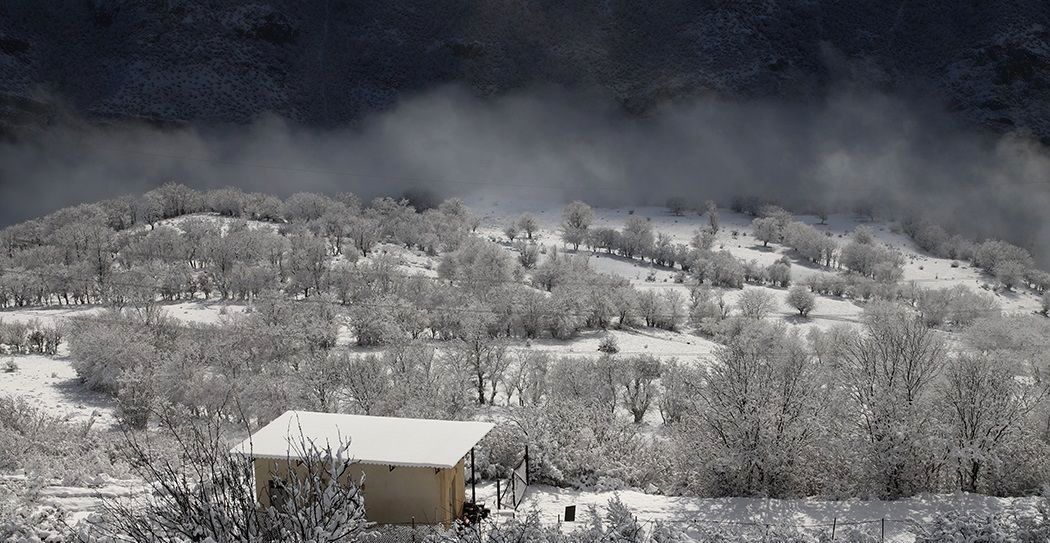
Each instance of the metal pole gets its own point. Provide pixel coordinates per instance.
(473, 479)
(883, 529)
(499, 503)
(834, 523)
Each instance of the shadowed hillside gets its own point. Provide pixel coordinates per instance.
(327, 63)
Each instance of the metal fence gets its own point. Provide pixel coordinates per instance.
(511, 492)
(852, 530)
(686, 529)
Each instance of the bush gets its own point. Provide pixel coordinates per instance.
(608, 344)
(954, 526)
(993, 253)
(958, 305)
(321, 502)
(33, 441)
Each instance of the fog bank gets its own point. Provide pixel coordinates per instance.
(850, 149)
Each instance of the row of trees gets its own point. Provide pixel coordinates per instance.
(1012, 266)
(74, 256)
(862, 256)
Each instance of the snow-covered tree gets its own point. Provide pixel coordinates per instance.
(987, 401)
(800, 298)
(891, 371)
(511, 231)
(765, 229)
(637, 238)
(677, 205)
(759, 407)
(637, 376)
(527, 223)
(713, 221)
(756, 303)
(576, 219)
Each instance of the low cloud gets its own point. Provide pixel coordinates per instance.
(850, 149)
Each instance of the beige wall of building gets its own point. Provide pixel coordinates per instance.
(392, 496)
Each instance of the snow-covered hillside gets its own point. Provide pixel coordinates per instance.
(50, 384)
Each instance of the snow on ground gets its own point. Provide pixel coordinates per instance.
(690, 513)
(659, 343)
(188, 312)
(51, 385)
(222, 222)
(80, 502)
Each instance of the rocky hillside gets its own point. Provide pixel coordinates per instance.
(324, 63)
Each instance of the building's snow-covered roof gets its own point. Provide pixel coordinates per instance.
(387, 441)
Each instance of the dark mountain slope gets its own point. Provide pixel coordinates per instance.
(326, 63)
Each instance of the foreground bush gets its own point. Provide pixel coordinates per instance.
(203, 493)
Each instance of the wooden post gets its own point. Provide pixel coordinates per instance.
(834, 522)
(513, 491)
(499, 503)
(883, 529)
(473, 479)
(527, 465)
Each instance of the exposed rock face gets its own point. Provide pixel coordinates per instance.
(327, 63)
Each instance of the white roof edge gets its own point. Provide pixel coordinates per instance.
(385, 441)
(352, 461)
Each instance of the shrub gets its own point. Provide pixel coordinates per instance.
(34, 441)
(321, 502)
